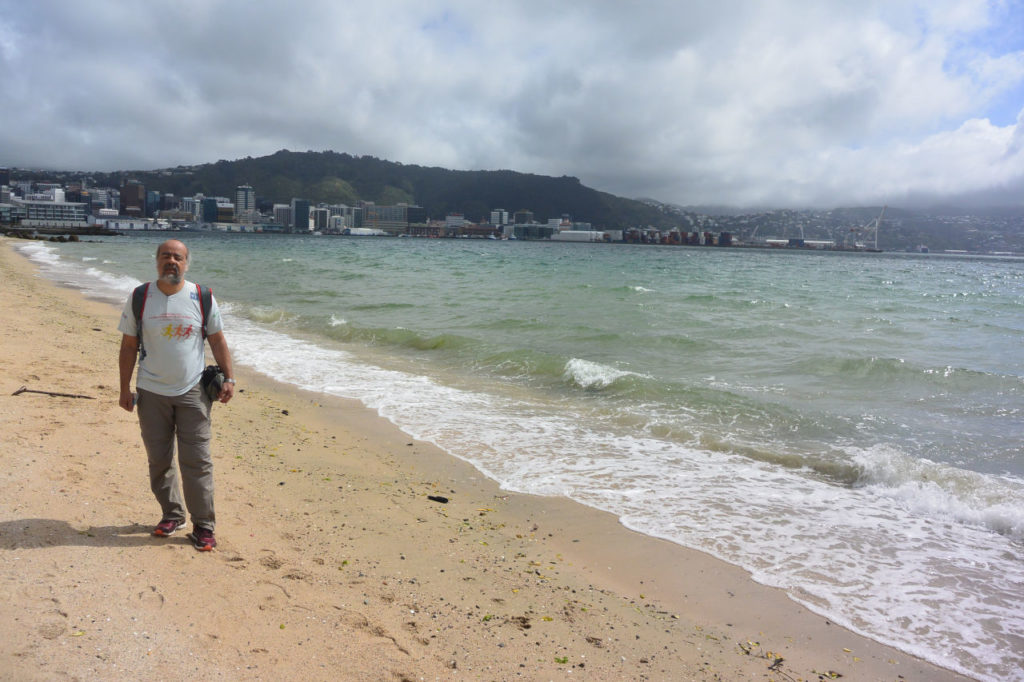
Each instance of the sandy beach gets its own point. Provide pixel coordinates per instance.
(346, 549)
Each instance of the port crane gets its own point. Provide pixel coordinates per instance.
(868, 230)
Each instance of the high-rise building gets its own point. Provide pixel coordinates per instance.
(208, 210)
(318, 218)
(523, 217)
(5, 177)
(77, 195)
(351, 216)
(245, 203)
(192, 205)
(499, 216)
(133, 199)
(152, 203)
(283, 214)
(300, 215)
(111, 199)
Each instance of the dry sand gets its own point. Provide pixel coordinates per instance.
(333, 562)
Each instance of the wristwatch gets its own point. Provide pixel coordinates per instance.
(229, 381)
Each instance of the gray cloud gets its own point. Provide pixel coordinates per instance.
(761, 103)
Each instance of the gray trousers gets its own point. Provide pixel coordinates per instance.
(185, 418)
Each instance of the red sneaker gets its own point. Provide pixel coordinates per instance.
(202, 538)
(167, 527)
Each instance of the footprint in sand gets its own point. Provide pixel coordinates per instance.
(272, 562)
(151, 598)
(233, 560)
(52, 629)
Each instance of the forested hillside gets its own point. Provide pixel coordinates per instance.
(331, 177)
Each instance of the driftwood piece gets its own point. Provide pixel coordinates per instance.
(25, 389)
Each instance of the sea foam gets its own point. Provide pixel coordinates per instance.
(587, 374)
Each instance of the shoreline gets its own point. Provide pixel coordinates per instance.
(173, 234)
(333, 562)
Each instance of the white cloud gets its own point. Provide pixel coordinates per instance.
(732, 102)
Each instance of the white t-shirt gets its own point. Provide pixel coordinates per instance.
(172, 334)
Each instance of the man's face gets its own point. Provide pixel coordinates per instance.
(172, 262)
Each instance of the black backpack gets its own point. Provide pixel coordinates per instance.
(139, 304)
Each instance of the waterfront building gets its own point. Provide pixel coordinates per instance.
(245, 203)
(318, 218)
(394, 219)
(52, 213)
(225, 211)
(208, 210)
(79, 195)
(300, 215)
(103, 198)
(532, 230)
(454, 221)
(567, 225)
(191, 205)
(122, 224)
(523, 217)
(499, 217)
(152, 203)
(580, 236)
(133, 199)
(351, 216)
(282, 214)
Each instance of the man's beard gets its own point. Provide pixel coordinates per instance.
(171, 278)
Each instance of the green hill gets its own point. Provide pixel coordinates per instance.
(331, 177)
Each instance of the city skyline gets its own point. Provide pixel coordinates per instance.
(742, 103)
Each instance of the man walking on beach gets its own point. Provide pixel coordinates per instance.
(171, 400)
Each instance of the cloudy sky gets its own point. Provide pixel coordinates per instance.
(741, 102)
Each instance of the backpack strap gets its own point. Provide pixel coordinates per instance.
(138, 306)
(205, 302)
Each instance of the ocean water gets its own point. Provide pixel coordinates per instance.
(847, 427)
